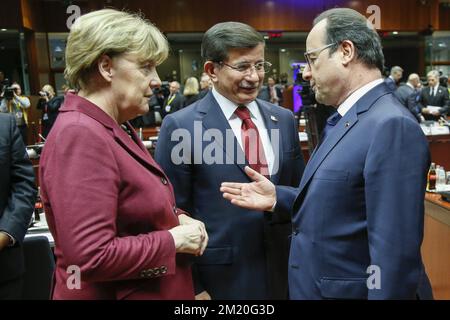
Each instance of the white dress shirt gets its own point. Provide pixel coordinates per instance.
(356, 95)
(228, 107)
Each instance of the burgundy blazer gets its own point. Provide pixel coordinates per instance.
(109, 207)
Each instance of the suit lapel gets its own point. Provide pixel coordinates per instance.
(271, 121)
(320, 153)
(136, 148)
(340, 130)
(215, 119)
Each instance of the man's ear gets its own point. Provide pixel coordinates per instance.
(105, 67)
(211, 69)
(348, 52)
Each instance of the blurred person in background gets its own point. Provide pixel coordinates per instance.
(175, 100)
(205, 85)
(271, 92)
(408, 94)
(49, 104)
(2, 78)
(191, 93)
(18, 105)
(394, 78)
(434, 95)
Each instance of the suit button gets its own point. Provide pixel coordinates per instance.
(156, 272)
(164, 181)
(163, 269)
(295, 232)
(174, 210)
(150, 273)
(143, 274)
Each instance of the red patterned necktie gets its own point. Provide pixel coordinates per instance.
(251, 142)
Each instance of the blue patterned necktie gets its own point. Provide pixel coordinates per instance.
(331, 122)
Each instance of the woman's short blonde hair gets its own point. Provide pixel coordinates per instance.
(110, 32)
(191, 86)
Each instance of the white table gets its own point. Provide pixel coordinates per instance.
(435, 130)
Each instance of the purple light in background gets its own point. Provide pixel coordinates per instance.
(297, 99)
(298, 103)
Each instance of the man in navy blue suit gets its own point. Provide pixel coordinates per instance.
(211, 141)
(17, 196)
(394, 78)
(358, 212)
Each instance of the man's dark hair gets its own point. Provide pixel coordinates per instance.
(228, 35)
(348, 24)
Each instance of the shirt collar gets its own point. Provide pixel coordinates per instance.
(228, 107)
(356, 95)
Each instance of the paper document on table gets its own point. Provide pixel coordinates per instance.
(433, 109)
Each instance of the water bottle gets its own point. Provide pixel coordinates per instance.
(440, 177)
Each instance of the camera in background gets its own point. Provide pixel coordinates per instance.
(163, 89)
(8, 90)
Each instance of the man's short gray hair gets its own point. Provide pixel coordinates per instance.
(433, 73)
(396, 69)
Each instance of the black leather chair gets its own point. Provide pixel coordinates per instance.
(39, 267)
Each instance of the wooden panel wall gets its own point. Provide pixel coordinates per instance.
(283, 15)
(287, 15)
(198, 16)
(10, 14)
(32, 15)
(444, 17)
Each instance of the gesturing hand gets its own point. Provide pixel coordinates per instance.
(257, 195)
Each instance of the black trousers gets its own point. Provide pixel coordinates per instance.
(24, 133)
(11, 289)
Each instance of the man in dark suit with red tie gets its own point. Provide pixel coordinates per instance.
(434, 96)
(247, 255)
